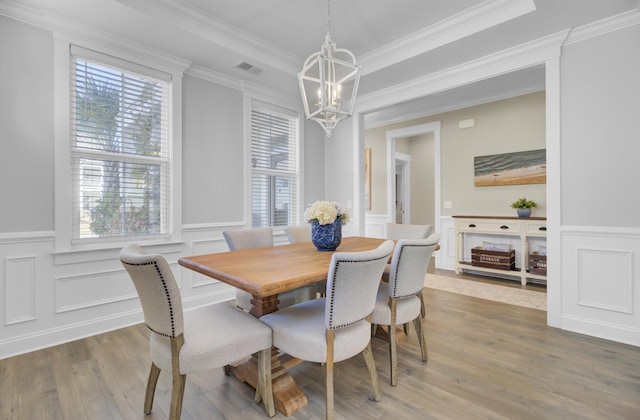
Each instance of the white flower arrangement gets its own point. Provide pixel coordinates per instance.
(326, 212)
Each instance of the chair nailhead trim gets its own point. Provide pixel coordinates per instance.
(395, 283)
(333, 285)
(166, 292)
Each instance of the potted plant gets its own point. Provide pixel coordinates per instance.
(326, 220)
(523, 206)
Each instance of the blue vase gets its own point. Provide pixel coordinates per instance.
(326, 237)
(524, 212)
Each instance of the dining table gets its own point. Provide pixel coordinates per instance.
(265, 273)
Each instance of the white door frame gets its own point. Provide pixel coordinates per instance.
(414, 130)
(404, 160)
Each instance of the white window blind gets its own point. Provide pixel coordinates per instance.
(274, 166)
(119, 149)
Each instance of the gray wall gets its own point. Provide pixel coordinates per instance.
(600, 101)
(213, 153)
(213, 140)
(26, 128)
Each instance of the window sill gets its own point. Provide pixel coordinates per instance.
(111, 251)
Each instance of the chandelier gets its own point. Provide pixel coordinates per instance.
(329, 82)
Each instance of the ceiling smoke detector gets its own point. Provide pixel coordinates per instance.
(243, 65)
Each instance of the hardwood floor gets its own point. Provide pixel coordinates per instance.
(487, 360)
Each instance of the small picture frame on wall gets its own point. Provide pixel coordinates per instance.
(367, 179)
(516, 168)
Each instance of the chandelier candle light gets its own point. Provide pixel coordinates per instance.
(329, 83)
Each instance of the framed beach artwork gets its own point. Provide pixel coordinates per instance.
(516, 168)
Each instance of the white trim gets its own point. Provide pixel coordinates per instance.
(203, 227)
(554, 193)
(604, 26)
(284, 105)
(511, 59)
(213, 30)
(375, 123)
(601, 231)
(20, 237)
(251, 89)
(483, 16)
(214, 77)
(415, 130)
(62, 134)
(26, 278)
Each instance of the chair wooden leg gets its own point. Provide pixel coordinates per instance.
(177, 393)
(178, 380)
(329, 375)
(423, 311)
(264, 389)
(373, 373)
(421, 338)
(393, 357)
(154, 373)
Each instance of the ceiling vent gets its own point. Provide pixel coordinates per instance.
(243, 65)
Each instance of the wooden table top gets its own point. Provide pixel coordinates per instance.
(272, 270)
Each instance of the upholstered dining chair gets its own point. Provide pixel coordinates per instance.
(297, 234)
(335, 328)
(397, 231)
(203, 339)
(397, 303)
(260, 238)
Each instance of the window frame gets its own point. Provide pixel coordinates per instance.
(283, 108)
(134, 60)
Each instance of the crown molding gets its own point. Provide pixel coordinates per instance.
(88, 37)
(26, 14)
(215, 77)
(515, 58)
(468, 22)
(213, 30)
(604, 26)
(372, 122)
(250, 89)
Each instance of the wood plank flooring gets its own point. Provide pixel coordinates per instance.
(487, 360)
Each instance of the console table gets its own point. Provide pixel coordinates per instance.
(524, 228)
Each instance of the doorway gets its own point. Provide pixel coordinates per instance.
(403, 188)
(392, 137)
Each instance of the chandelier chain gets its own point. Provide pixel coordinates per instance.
(328, 16)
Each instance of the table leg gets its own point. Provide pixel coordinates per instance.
(263, 305)
(287, 396)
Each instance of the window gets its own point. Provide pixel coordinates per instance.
(120, 148)
(274, 166)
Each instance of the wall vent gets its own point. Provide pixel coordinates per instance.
(243, 65)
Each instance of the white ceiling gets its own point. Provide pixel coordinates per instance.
(394, 40)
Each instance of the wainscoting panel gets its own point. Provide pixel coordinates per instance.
(446, 257)
(87, 290)
(605, 279)
(50, 297)
(601, 282)
(19, 289)
(375, 225)
(200, 247)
